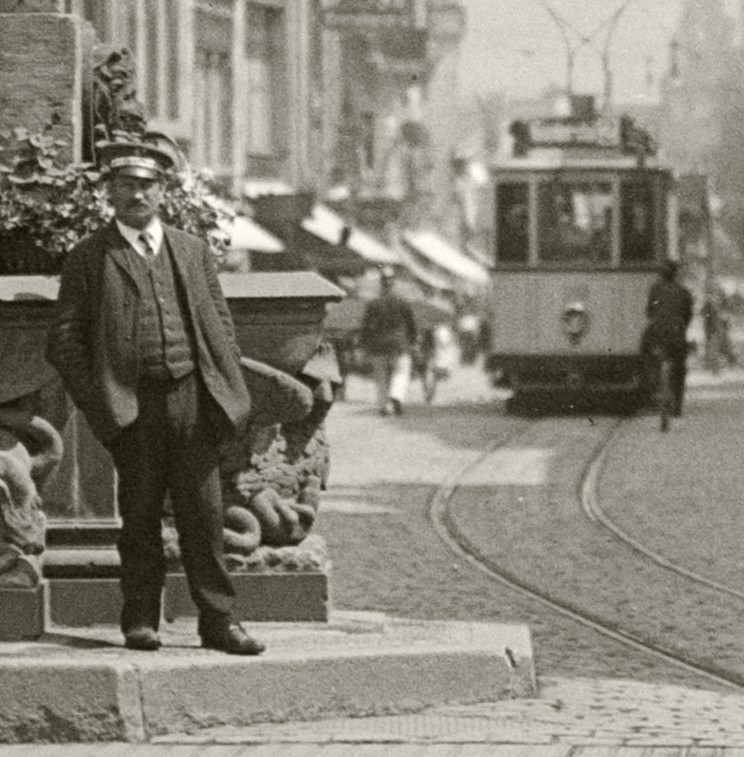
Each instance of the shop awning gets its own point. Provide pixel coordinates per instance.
(446, 256)
(424, 275)
(331, 228)
(262, 187)
(246, 234)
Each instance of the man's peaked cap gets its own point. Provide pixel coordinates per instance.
(147, 158)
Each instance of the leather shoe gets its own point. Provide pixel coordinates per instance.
(143, 638)
(231, 639)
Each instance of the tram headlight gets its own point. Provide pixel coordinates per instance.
(575, 321)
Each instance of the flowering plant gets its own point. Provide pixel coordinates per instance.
(47, 205)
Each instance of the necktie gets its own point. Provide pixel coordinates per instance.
(146, 240)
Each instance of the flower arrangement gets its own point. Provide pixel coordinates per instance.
(47, 205)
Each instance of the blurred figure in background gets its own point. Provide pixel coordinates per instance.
(468, 336)
(726, 345)
(712, 329)
(388, 336)
(716, 313)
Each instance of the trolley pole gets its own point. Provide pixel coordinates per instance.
(610, 24)
(563, 25)
(605, 55)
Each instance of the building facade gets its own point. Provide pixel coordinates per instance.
(237, 82)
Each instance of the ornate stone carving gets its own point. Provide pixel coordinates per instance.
(273, 474)
(117, 112)
(30, 449)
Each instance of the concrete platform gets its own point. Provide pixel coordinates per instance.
(81, 685)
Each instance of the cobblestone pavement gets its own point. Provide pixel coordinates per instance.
(578, 715)
(574, 716)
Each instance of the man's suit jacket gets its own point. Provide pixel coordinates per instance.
(93, 341)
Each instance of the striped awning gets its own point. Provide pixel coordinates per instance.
(445, 255)
(246, 234)
(332, 228)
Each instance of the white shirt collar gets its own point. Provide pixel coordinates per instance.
(154, 229)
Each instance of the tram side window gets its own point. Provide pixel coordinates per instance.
(637, 222)
(512, 223)
(575, 222)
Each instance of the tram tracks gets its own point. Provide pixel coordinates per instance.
(446, 527)
(593, 509)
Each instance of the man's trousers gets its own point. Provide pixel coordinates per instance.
(392, 377)
(171, 449)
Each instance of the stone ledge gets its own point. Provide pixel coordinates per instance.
(259, 597)
(82, 685)
(22, 612)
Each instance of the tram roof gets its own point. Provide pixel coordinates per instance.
(552, 160)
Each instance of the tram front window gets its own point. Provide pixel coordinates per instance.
(512, 223)
(575, 223)
(637, 222)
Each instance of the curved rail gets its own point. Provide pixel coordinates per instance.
(438, 512)
(594, 511)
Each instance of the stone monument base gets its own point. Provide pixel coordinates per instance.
(78, 602)
(260, 597)
(272, 584)
(22, 615)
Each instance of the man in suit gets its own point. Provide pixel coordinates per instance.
(145, 345)
(669, 308)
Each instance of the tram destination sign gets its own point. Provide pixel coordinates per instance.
(567, 132)
(340, 14)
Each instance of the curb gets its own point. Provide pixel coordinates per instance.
(80, 686)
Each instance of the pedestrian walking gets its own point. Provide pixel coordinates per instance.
(669, 309)
(727, 348)
(388, 336)
(468, 330)
(145, 345)
(712, 328)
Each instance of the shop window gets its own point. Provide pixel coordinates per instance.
(214, 86)
(263, 54)
(214, 97)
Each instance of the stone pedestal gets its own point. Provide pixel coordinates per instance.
(23, 611)
(260, 597)
(80, 602)
(279, 316)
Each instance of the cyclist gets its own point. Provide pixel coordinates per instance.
(669, 309)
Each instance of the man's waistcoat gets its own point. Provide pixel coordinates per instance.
(165, 344)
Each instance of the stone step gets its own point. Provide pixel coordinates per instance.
(82, 685)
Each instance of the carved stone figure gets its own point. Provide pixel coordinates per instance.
(273, 473)
(116, 110)
(30, 449)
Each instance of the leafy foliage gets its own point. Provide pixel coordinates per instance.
(47, 206)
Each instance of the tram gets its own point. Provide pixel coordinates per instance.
(584, 212)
